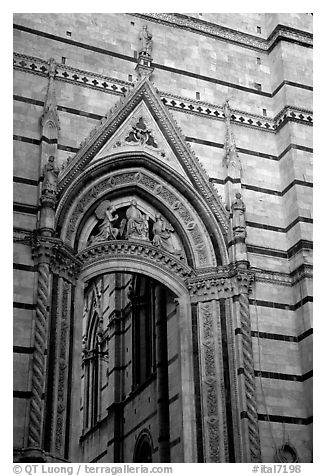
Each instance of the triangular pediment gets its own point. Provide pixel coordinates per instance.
(140, 121)
(140, 132)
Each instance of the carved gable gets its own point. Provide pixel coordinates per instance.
(141, 122)
(140, 131)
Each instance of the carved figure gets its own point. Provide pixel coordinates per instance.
(227, 109)
(105, 212)
(238, 211)
(50, 177)
(145, 42)
(162, 235)
(137, 223)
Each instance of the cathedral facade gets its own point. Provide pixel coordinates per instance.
(163, 237)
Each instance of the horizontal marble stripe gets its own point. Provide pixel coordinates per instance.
(25, 208)
(278, 305)
(285, 419)
(22, 394)
(24, 305)
(24, 267)
(19, 349)
(281, 376)
(278, 337)
(25, 181)
(157, 65)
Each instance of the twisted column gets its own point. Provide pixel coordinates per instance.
(249, 378)
(38, 368)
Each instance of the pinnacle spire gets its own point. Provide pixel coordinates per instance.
(231, 157)
(50, 114)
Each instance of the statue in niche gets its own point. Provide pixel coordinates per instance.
(50, 177)
(145, 42)
(238, 212)
(107, 232)
(162, 235)
(135, 225)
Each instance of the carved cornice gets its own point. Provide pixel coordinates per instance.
(122, 249)
(61, 258)
(224, 281)
(223, 33)
(171, 101)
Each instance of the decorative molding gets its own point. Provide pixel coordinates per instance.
(36, 415)
(62, 368)
(249, 380)
(171, 101)
(222, 282)
(58, 255)
(209, 384)
(227, 34)
(142, 250)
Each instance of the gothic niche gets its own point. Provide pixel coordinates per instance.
(130, 223)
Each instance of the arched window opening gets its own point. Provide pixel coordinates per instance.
(92, 352)
(142, 298)
(143, 449)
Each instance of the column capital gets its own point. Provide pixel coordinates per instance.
(221, 282)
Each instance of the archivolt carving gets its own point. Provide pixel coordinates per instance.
(143, 250)
(154, 186)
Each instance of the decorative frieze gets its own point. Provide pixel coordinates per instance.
(227, 34)
(224, 282)
(141, 250)
(179, 103)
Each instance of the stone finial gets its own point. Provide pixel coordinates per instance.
(50, 116)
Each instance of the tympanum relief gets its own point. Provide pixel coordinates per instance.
(132, 223)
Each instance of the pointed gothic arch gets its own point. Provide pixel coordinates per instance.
(139, 153)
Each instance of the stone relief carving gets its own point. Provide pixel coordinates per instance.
(134, 225)
(238, 210)
(105, 212)
(62, 367)
(210, 384)
(163, 235)
(141, 134)
(154, 186)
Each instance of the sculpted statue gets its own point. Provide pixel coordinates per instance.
(136, 223)
(162, 235)
(50, 177)
(227, 109)
(145, 42)
(238, 212)
(105, 212)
